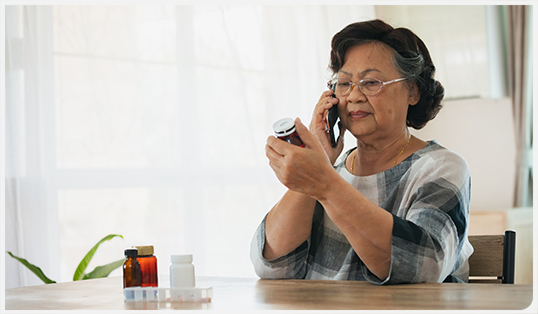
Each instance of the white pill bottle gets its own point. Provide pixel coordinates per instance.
(182, 272)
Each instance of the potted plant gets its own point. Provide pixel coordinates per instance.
(80, 272)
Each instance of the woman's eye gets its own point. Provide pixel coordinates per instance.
(369, 83)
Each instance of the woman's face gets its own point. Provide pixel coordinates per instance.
(382, 116)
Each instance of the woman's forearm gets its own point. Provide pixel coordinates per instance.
(288, 224)
(367, 227)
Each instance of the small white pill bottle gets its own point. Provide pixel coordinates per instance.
(182, 272)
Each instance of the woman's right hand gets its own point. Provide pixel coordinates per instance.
(319, 127)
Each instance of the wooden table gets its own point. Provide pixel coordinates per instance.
(257, 294)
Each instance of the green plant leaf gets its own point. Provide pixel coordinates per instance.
(104, 271)
(34, 269)
(79, 272)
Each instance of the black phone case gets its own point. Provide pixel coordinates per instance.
(332, 119)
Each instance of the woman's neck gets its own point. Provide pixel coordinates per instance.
(372, 157)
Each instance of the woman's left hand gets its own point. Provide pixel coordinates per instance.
(302, 169)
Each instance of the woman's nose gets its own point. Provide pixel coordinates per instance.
(355, 94)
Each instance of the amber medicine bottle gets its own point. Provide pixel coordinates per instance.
(182, 272)
(148, 266)
(131, 269)
(285, 130)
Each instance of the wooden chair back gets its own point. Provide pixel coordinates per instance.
(493, 259)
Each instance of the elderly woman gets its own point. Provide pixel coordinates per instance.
(395, 208)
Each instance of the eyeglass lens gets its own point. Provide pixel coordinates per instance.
(342, 87)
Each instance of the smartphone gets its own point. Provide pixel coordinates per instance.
(332, 120)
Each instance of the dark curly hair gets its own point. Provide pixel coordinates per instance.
(410, 57)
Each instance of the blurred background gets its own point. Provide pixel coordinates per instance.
(150, 121)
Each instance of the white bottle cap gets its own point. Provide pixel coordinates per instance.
(284, 127)
(181, 258)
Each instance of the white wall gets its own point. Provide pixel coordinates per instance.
(482, 131)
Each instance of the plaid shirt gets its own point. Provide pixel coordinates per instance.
(428, 195)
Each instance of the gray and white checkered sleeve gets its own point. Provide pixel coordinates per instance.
(429, 243)
(290, 266)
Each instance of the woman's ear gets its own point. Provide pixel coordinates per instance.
(414, 95)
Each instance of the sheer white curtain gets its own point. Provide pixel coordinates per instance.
(150, 122)
(31, 229)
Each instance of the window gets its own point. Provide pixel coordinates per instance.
(152, 124)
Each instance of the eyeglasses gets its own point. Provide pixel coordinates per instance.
(368, 86)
